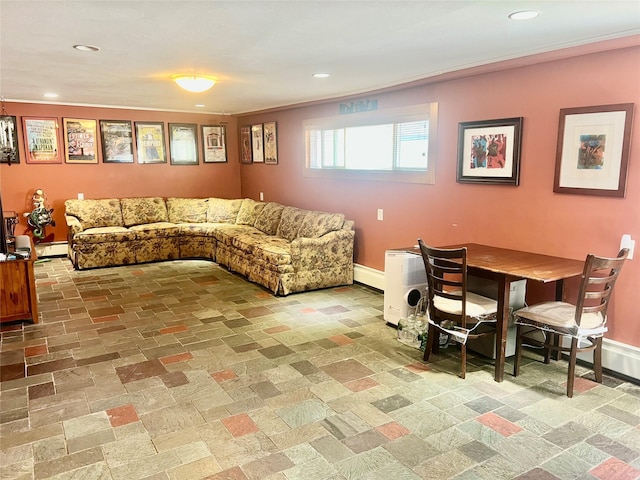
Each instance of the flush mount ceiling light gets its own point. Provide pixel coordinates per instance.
(524, 15)
(50, 95)
(195, 83)
(86, 48)
(320, 75)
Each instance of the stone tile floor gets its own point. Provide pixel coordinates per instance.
(182, 370)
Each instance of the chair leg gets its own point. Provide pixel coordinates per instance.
(463, 354)
(549, 340)
(597, 360)
(572, 367)
(431, 333)
(518, 354)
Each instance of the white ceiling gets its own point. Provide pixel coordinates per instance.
(264, 52)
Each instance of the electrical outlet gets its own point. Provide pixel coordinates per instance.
(81, 196)
(261, 196)
(380, 214)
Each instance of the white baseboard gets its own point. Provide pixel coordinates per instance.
(368, 276)
(616, 356)
(53, 249)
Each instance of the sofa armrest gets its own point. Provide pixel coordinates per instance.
(74, 226)
(329, 250)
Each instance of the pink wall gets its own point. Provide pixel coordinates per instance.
(528, 217)
(102, 180)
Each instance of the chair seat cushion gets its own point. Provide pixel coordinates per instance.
(560, 317)
(477, 305)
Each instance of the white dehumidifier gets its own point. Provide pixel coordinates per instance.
(405, 281)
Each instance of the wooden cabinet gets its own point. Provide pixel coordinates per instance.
(18, 297)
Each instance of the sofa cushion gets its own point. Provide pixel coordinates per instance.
(198, 229)
(187, 210)
(222, 210)
(290, 222)
(269, 218)
(104, 235)
(139, 211)
(249, 212)
(96, 213)
(317, 224)
(155, 230)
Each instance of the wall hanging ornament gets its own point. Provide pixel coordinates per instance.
(40, 217)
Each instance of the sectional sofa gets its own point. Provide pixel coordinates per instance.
(283, 248)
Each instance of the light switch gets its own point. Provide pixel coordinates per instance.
(380, 214)
(627, 242)
(261, 196)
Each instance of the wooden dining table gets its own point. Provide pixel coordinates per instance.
(504, 266)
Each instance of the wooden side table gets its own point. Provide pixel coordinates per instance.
(18, 297)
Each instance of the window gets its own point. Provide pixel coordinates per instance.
(392, 145)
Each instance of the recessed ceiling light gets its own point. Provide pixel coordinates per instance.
(321, 75)
(524, 15)
(86, 48)
(50, 95)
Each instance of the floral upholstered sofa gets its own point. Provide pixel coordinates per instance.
(285, 249)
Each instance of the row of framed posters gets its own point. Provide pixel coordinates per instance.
(80, 146)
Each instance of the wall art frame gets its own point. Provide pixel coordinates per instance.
(214, 143)
(270, 143)
(246, 153)
(80, 140)
(592, 156)
(489, 151)
(41, 141)
(9, 152)
(150, 142)
(257, 143)
(183, 144)
(116, 138)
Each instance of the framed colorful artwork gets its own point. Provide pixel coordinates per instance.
(183, 143)
(150, 142)
(270, 143)
(117, 141)
(246, 153)
(592, 156)
(257, 143)
(9, 140)
(80, 140)
(214, 143)
(489, 151)
(41, 140)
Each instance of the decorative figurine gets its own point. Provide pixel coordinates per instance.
(40, 216)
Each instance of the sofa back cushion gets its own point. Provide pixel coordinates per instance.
(187, 210)
(317, 224)
(249, 212)
(95, 213)
(290, 223)
(269, 218)
(222, 210)
(138, 211)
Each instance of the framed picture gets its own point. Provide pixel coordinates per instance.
(270, 143)
(489, 151)
(592, 157)
(80, 140)
(214, 143)
(41, 140)
(150, 142)
(183, 143)
(257, 143)
(246, 154)
(117, 141)
(8, 140)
